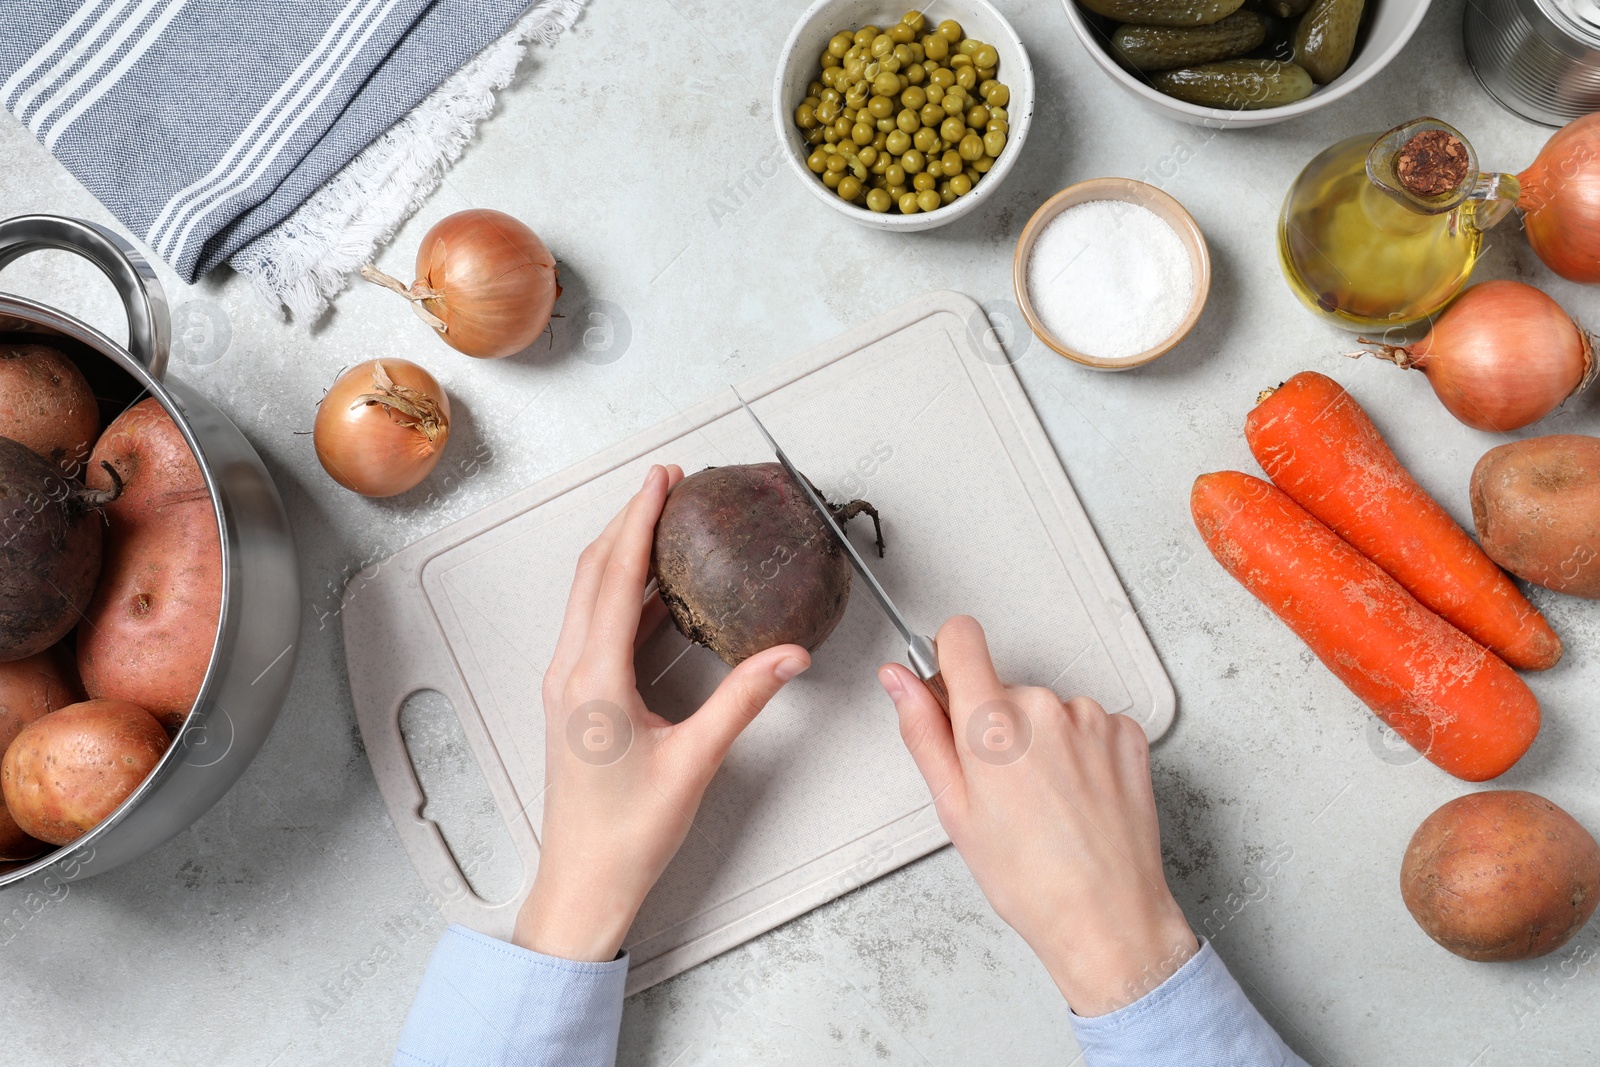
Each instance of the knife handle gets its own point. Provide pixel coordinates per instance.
(935, 685)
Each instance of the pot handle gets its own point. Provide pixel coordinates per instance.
(149, 324)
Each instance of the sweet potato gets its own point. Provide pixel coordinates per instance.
(69, 769)
(153, 622)
(1536, 507)
(29, 689)
(46, 404)
(1501, 875)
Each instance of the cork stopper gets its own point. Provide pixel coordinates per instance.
(1432, 163)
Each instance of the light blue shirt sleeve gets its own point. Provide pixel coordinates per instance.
(1197, 1018)
(487, 1003)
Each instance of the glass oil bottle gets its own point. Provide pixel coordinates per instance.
(1369, 245)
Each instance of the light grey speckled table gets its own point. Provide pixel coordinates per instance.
(286, 926)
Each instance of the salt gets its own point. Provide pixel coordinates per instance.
(1109, 279)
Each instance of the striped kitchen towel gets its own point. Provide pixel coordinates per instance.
(283, 136)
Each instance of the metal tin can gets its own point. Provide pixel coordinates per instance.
(1538, 58)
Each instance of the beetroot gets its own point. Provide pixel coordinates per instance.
(744, 563)
(49, 550)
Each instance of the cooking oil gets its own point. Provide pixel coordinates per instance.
(1366, 252)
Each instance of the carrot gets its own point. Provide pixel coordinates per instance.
(1317, 445)
(1450, 698)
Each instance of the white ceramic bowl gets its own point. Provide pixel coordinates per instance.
(1392, 24)
(798, 66)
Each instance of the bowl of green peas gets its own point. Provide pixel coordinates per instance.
(903, 119)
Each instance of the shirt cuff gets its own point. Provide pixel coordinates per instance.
(488, 1003)
(1199, 1017)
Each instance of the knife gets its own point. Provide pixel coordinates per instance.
(919, 649)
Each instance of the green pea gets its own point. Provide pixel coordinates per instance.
(865, 35)
(817, 161)
(832, 96)
(843, 125)
(815, 136)
(889, 64)
(805, 117)
(934, 93)
(982, 164)
(832, 178)
(815, 89)
(999, 113)
(913, 161)
(868, 155)
(918, 53)
(950, 30)
(826, 111)
(895, 175)
(923, 139)
(881, 165)
(878, 200)
(900, 33)
(923, 181)
(904, 56)
(908, 203)
(837, 163)
(971, 147)
(913, 19)
(830, 135)
(953, 163)
(857, 94)
(961, 185)
(987, 56)
(999, 95)
(826, 60)
(997, 126)
(861, 133)
(966, 77)
(931, 114)
(914, 74)
(849, 188)
(993, 142)
(895, 192)
(958, 61)
(898, 142)
(882, 45)
(839, 44)
(928, 200)
(880, 107)
(944, 77)
(935, 46)
(985, 74)
(935, 167)
(882, 138)
(914, 98)
(907, 120)
(886, 126)
(952, 129)
(886, 84)
(969, 46)
(953, 105)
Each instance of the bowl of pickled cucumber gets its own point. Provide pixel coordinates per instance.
(902, 118)
(1236, 63)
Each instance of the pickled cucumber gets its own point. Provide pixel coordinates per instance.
(1165, 47)
(1326, 37)
(1286, 9)
(1164, 12)
(1243, 84)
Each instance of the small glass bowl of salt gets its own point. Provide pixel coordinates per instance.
(1111, 273)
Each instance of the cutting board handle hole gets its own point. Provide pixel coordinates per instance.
(458, 800)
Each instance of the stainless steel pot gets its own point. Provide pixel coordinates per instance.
(1538, 58)
(254, 654)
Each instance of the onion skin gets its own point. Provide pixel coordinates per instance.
(1561, 201)
(1504, 355)
(382, 427)
(495, 282)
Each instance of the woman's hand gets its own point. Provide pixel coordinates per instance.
(1051, 807)
(622, 783)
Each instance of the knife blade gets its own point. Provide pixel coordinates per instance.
(920, 650)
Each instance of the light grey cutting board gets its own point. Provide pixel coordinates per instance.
(912, 411)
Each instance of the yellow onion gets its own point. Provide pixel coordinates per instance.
(1561, 200)
(381, 428)
(1502, 356)
(485, 282)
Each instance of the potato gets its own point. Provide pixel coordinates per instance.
(1536, 506)
(29, 689)
(1501, 875)
(70, 769)
(47, 405)
(153, 622)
